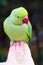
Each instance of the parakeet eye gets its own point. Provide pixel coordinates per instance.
(18, 17)
(25, 20)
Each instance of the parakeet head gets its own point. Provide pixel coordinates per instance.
(19, 16)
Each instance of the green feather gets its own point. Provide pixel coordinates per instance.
(30, 30)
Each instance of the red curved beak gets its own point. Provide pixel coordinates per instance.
(25, 20)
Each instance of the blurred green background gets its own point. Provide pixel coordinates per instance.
(35, 14)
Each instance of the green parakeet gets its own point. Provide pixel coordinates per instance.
(17, 25)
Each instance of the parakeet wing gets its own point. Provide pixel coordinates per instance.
(30, 30)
